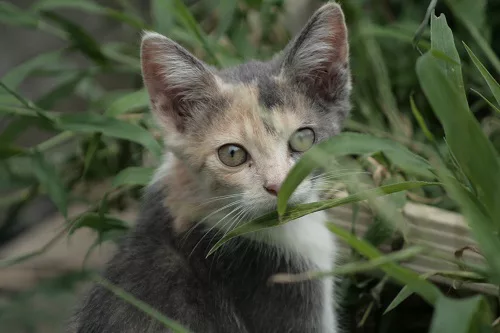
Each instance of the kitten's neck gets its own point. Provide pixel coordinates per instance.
(183, 192)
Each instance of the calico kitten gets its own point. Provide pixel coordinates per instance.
(232, 136)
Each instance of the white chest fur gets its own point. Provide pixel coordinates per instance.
(309, 238)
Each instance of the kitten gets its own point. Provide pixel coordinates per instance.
(232, 136)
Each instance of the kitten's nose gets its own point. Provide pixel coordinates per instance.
(272, 188)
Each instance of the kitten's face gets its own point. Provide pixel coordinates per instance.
(239, 131)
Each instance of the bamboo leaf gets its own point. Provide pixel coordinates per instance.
(184, 16)
(51, 181)
(272, 219)
(347, 144)
(96, 123)
(17, 75)
(414, 282)
(79, 38)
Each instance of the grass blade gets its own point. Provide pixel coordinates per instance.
(272, 219)
(348, 144)
(144, 307)
(492, 83)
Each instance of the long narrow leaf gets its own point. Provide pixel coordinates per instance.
(272, 219)
(347, 144)
(95, 123)
(492, 83)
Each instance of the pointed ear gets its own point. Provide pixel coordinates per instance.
(318, 58)
(176, 81)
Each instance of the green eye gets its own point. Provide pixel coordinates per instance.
(232, 155)
(302, 140)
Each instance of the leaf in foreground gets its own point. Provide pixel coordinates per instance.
(471, 315)
(146, 308)
(272, 219)
(347, 144)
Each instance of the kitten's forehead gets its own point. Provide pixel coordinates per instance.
(248, 119)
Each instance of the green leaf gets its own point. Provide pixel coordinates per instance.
(490, 103)
(414, 282)
(353, 267)
(272, 219)
(421, 121)
(492, 83)
(99, 223)
(445, 93)
(471, 315)
(134, 176)
(144, 307)
(62, 90)
(85, 5)
(96, 123)
(9, 151)
(184, 16)
(79, 38)
(52, 182)
(400, 298)
(15, 16)
(347, 144)
(128, 103)
(162, 14)
(226, 10)
(90, 7)
(467, 12)
(17, 75)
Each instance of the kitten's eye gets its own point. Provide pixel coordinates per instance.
(302, 140)
(232, 155)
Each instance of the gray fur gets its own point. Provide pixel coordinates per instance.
(229, 291)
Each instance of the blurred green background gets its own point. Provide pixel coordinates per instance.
(73, 115)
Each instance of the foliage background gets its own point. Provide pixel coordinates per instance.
(74, 115)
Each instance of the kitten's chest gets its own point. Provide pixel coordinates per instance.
(303, 245)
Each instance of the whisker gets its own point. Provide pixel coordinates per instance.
(212, 227)
(229, 205)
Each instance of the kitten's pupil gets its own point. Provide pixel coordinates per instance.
(232, 155)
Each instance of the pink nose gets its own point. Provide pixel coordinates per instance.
(272, 189)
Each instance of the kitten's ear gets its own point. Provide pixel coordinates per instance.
(318, 58)
(176, 81)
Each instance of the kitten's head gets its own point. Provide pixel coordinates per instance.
(238, 131)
